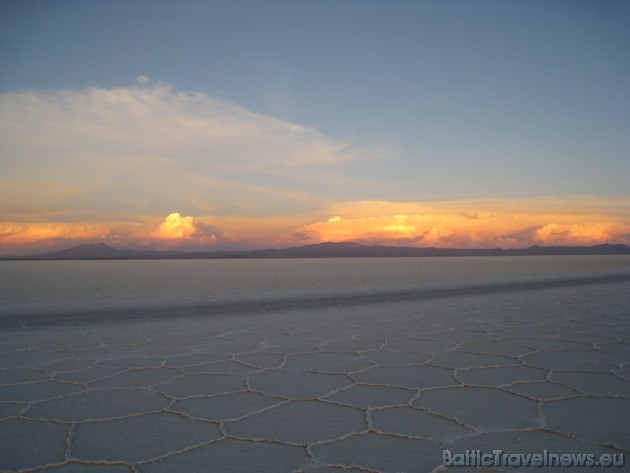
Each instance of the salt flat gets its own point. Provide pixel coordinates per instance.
(365, 388)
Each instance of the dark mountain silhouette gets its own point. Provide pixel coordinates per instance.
(321, 250)
(85, 251)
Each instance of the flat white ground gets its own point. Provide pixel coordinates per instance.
(373, 388)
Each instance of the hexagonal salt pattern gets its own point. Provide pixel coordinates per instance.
(140, 437)
(234, 456)
(380, 388)
(29, 444)
(378, 452)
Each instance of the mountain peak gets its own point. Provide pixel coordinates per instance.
(93, 246)
(87, 249)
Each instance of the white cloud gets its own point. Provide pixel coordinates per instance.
(148, 149)
(143, 79)
(176, 226)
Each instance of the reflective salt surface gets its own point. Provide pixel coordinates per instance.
(58, 287)
(357, 387)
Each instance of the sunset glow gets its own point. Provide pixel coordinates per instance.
(506, 224)
(318, 135)
(29, 233)
(454, 224)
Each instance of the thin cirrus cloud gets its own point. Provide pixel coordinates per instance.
(147, 149)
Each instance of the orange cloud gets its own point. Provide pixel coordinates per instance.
(175, 226)
(481, 223)
(24, 238)
(33, 237)
(184, 232)
(583, 234)
(25, 233)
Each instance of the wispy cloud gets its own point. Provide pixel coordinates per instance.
(149, 148)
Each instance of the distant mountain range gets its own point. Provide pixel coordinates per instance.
(321, 250)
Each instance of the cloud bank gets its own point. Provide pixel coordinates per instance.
(483, 223)
(150, 166)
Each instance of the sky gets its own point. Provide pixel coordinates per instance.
(251, 124)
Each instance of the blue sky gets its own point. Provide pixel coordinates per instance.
(426, 100)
